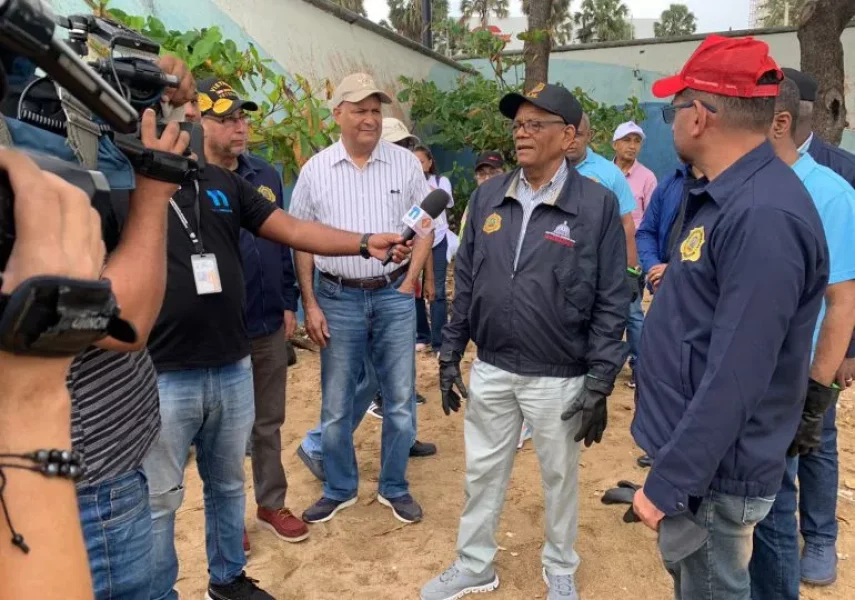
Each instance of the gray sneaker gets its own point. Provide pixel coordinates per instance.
(561, 587)
(455, 583)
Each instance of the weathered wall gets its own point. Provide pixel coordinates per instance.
(613, 72)
(311, 38)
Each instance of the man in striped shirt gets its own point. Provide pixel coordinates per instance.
(363, 308)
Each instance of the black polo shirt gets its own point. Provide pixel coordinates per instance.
(193, 331)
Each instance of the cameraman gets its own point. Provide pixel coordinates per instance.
(58, 233)
(113, 386)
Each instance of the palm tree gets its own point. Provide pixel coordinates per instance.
(352, 5)
(560, 23)
(483, 8)
(781, 12)
(405, 16)
(675, 20)
(602, 21)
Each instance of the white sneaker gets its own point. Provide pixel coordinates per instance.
(455, 583)
(421, 347)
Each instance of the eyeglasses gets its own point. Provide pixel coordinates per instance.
(231, 120)
(669, 113)
(533, 126)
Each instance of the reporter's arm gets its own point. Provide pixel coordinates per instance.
(137, 267)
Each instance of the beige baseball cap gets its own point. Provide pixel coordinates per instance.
(394, 131)
(356, 88)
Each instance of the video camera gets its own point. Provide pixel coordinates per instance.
(52, 316)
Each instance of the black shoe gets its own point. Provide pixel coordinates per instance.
(404, 508)
(420, 399)
(645, 461)
(242, 588)
(375, 410)
(422, 449)
(315, 465)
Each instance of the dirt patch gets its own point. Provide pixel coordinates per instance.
(366, 553)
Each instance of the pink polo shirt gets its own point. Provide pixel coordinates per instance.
(642, 182)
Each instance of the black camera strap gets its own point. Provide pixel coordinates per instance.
(195, 239)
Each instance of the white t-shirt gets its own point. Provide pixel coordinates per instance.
(441, 222)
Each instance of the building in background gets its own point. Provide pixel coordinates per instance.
(510, 27)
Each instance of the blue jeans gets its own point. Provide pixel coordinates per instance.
(116, 521)
(366, 389)
(431, 333)
(212, 409)
(634, 323)
(719, 570)
(380, 325)
(776, 541)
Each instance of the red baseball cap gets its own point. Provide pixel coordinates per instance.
(725, 67)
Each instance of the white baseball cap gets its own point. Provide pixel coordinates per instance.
(628, 128)
(394, 131)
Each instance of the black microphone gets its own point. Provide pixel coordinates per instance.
(432, 206)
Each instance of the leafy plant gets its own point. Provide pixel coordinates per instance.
(292, 122)
(675, 20)
(467, 118)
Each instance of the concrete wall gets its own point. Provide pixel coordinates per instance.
(613, 72)
(311, 37)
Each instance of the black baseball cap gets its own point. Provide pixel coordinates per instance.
(490, 159)
(551, 98)
(807, 84)
(218, 98)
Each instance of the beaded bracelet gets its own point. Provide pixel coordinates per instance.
(67, 464)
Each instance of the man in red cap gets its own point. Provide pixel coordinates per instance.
(732, 325)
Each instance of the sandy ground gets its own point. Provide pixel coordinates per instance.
(365, 553)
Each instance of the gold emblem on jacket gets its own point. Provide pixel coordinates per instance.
(690, 249)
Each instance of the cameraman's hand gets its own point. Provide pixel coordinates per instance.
(173, 141)
(186, 90)
(57, 233)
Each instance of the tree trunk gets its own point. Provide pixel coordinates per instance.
(820, 27)
(538, 43)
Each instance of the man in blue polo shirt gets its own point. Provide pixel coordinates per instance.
(776, 547)
(606, 173)
(731, 327)
(271, 306)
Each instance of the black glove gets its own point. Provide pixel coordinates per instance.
(449, 376)
(809, 434)
(635, 283)
(592, 404)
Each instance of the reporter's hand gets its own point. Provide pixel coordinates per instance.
(595, 416)
(172, 65)
(632, 281)
(316, 325)
(449, 377)
(173, 141)
(379, 243)
(290, 324)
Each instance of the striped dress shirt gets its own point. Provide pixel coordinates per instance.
(332, 190)
(530, 198)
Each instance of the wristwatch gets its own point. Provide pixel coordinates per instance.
(363, 246)
(58, 316)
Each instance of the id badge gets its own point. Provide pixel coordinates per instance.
(206, 274)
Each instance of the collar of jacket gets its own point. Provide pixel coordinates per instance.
(567, 198)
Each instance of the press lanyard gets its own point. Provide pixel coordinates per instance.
(195, 239)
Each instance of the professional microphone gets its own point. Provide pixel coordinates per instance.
(419, 219)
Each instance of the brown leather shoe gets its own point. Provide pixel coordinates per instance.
(284, 524)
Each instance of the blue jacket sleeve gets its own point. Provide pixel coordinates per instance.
(456, 334)
(290, 291)
(647, 235)
(761, 269)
